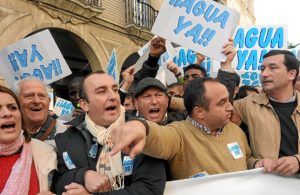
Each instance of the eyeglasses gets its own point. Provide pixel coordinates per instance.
(187, 77)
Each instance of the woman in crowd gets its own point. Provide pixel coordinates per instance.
(25, 163)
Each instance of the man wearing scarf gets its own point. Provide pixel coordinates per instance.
(84, 162)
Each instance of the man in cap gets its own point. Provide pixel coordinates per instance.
(151, 102)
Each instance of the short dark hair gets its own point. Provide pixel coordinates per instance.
(6, 90)
(195, 66)
(290, 60)
(243, 91)
(194, 94)
(130, 94)
(237, 79)
(82, 92)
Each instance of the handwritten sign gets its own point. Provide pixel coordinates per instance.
(112, 66)
(251, 44)
(201, 25)
(35, 56)
(63, 107)
(183, 57)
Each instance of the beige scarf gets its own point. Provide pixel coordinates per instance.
(107, 164)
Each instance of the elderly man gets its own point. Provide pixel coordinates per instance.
(273, 117)
(34, 104)
(205, 143)
(84, 163)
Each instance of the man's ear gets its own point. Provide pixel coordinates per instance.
(293, 74)
(199, 112)
(84, 105)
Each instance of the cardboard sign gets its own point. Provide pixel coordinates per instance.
(251, 44)
(112, 66)
(35, 56)
(183, 57)
(201, 25)
(63, 107)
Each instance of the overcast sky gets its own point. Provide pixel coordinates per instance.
(280, 12)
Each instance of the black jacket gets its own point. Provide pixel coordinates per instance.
(149, 69)
(148, 174)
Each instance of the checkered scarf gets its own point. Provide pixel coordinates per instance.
(109, 165)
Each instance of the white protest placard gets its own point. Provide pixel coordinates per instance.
(112, 66)
(251, 43)
(35, 56)
(139, 63)
(183, 57)
(237, 183)
(201, 25)
(145, 48)
(63, 108)
(51, 96)
(170, 50)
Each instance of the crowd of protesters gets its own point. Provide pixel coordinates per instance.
(131, 139)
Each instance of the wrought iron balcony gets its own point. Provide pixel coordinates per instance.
(140, 14)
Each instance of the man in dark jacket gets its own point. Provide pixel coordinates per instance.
(84, 162)
(149, 69)
(151, 102)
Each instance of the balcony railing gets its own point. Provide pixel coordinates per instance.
(140, 13)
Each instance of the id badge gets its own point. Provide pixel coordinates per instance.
(68, 161)
(201, 174)
(93, 151)
(235, 150)
(127, 165)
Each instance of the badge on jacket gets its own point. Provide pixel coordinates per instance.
(127, 165)
(201, 174)
(68, 161)
(235, 150)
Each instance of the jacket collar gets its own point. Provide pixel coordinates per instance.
(263, 99)
(78, 122)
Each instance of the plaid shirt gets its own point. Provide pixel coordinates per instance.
(203, 128)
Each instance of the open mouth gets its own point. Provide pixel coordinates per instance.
(154, 110)
(8, 126)
(111, 108)
(267, 81)
(35, 109)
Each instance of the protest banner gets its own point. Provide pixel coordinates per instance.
(35, 56)
(245, 182)
(63, 108)
(201, 25)
(112, 66)
(183, 57)
(252, 43)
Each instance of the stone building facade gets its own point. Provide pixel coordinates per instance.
(86, 31)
